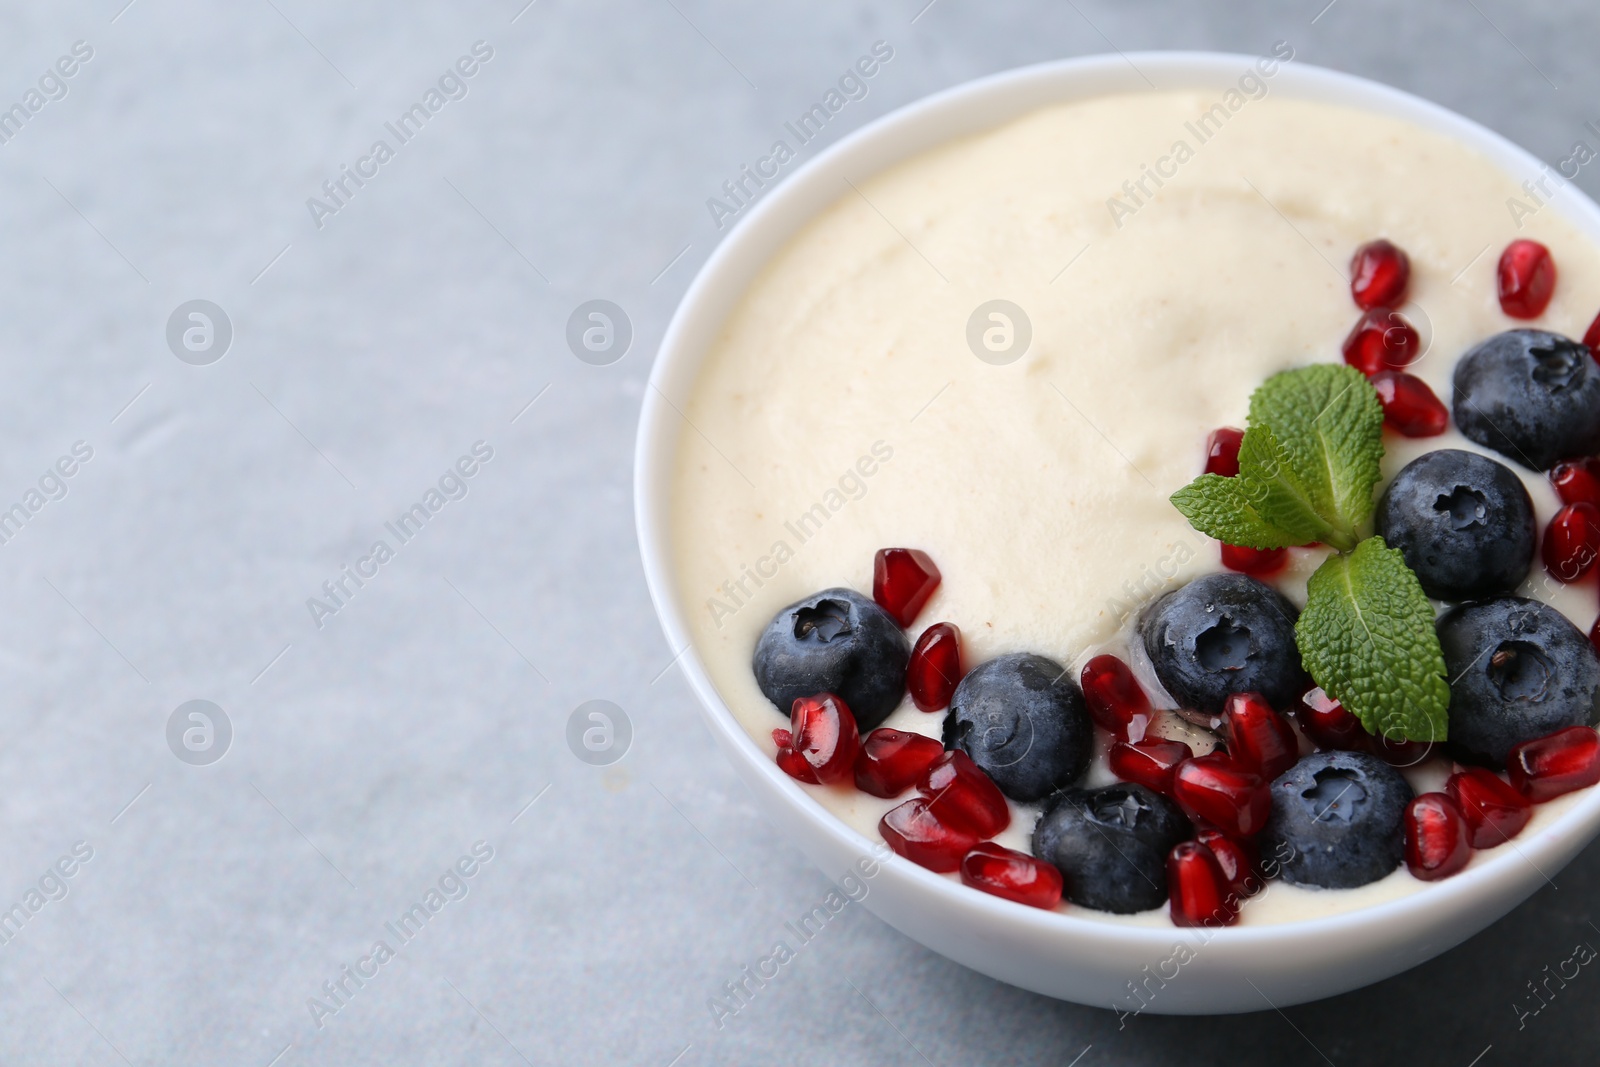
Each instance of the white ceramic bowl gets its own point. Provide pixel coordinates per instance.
(1058, 953)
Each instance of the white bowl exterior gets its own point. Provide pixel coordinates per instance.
(1061, 954)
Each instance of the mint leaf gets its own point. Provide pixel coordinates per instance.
(1330, 424)
(1367, 637)
(1218, 507)
(1275, 491)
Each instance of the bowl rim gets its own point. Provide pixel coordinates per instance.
(1504, 874)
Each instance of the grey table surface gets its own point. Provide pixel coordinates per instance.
(373, 343)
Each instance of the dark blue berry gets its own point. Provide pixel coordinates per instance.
(1111, 845)
(1023, 720)
(1531, 395)
(1335, 821)
(1463, 522)
(836, 641)
(1224, 634)
(1518, 670)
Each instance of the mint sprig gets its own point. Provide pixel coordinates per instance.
(1308, 465)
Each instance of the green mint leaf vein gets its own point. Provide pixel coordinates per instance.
(1367, 638)
(1269, 482)
(1219, 507)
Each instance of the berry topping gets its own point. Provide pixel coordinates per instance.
(1114, 698)
(1237, 859)
(935, 668)
(1330, 726)
(1260, 562)
(1014, 875)
(1518, 671)
(1381, 340)
(1436, 837)
(902, 581)
(1337, 817)
(1150, 762)
(1023, 721)
(1526, 277)
(961, 795)
(1197, 890)
(1223, 634)
(1215, 790)
(823, 733)
(1110, 845)
(836, 641)
(1577, 481)
(1547, 767)
(914, 832)
(791, 762)
(1591, 337)
(891, 761)
(1463, 522)
(1259, 739)
(1494, 812)
(1531, 395)
(1410, 408)
(1571, 542)
(1379, 273)
(1396, 751)
(1222, 451)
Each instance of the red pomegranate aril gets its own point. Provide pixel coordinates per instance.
(1197, 891)
(1436, 837)
(1577, 481)
(1259, 562)
(1150, 762)
(1237, 860)
(1410, 408)
(935, 667)
(1526, 277)
(919, 835)
(1259, 739)
(1014, 875)
(1222, 451)
(1591, 337)
(891, 761)
(1330, 726)
(1216, 791)
(1379, 273)
(1493, 811)
(961, 795)
(1571, 542)
(1381, 340)
(1115, 698)
(791, 762)
(823, 732)
(902, 581)
(1558, 763)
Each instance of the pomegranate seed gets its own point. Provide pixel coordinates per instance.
(1381, 340)
(1237, 860)
(1410, 408)
(1114, 697)
(823, 733)
(791, 762)
(783, 738)
(1379, 273)
(1197, 890)
(1222, 451)
(1259, 739)
(1577, 481)
(1150, 762)
(891, 761)
(1493, 811)
(1436, 837)
(902, 581)
(1257, 561)
(935, 667)
(916, 833)
(1571, 542)
(1526, 277)
(1549, 766)
(961, 795)
(1591, 338)
(1215, 790)
(1328, 725)
(1014, 875)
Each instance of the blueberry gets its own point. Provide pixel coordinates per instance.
(1335, 820)
(1531, 395)
(1463, 522)
(1111, 845)
(1518, 670)
(1224, 634)
(836, 641)
(1024, 721)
